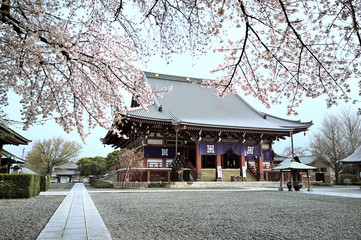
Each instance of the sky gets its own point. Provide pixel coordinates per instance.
(310, 110)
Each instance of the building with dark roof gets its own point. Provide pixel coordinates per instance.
(218, 138)
(10, 137)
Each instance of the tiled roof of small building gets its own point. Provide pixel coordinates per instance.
(353, 158)
(191, 104)
(9, 136)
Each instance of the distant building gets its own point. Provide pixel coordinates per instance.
(67, 172)
(217, 138)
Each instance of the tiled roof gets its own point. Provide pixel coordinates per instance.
(9, 136)
(191, 104)
(303, 159)
(353, 158)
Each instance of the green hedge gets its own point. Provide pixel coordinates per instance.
(101, 184)
(44, 183)
(19, 185)
(352, 177)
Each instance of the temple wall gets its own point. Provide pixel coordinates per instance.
(208, 174)
(228, 173)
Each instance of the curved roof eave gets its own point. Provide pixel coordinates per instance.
(176, 122)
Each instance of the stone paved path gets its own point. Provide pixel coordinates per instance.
(75, 218)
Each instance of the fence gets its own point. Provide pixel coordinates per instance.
(130, 185)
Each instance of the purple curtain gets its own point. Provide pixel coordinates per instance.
(237, 148)
(268, 155)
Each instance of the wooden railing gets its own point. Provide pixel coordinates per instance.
(193, 170)
(269, 166)
(158, 165)
(252, 169)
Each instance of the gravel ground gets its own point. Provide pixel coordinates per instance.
(25, 218)
(229, 215)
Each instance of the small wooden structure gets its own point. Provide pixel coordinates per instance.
(294, 167)
(354, 159)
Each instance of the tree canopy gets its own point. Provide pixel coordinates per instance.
(48, 153)
(92, 166)
(69, 60)
(98, 165)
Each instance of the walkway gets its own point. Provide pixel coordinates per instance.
(75, 218)
(337, 191)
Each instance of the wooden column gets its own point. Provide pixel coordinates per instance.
(308, 181)
(281, 182)
(243, 167)
(148, 176)
(218, 166)
(168, 176)
(198, 163)
(260, 168)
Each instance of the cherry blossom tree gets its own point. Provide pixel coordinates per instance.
(72, 60)
(274, 49)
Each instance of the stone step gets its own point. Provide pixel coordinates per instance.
(261, 184)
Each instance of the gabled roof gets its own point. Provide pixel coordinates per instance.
(9, 136)
(303, 159)
(191, 104)
(6, 154)
(354, 158)
(293, 165)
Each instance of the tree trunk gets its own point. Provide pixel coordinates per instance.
(337, 175)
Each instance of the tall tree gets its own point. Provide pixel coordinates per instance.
(132, 162)
(113, 158)
(48, 153)
(68, 60)
(92, 166)
(338, 138)
(297, 151)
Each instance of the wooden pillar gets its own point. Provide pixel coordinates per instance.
(260, 168)
(308, 181)
(218, 167)
(243, 167)
(148, 176)
(198, 163)
(281, 182)
(168, 176)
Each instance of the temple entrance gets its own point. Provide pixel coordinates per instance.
(208, 161)
(230, 160)
(320, 177)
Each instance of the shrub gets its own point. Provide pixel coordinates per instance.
(321, 184)
(36, 188)
(157, 185)
(352, 177)
(19, 185)
(100, 184)
(44, 183)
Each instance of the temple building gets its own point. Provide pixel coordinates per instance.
(9, 162)
(218, 139)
